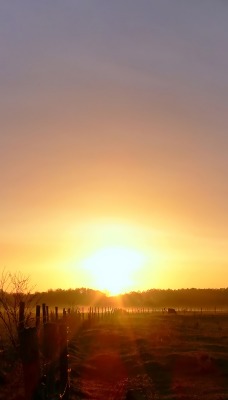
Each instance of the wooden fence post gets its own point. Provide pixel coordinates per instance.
(63, 362)
(44, 313)
(51, 351)
(56, 314)
(29, 349)
(47, 314)
(37, 317)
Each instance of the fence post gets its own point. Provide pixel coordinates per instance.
(44, 313)
(63, 362)
(47, 314)
(51, 351)
(29, 351)
(56, 314)
(37, 317)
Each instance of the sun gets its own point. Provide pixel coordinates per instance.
(112, 268)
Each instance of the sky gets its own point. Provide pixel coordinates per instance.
(113, 143)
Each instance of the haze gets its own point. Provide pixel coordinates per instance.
(114, 134)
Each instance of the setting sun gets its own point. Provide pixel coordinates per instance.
(112, 268)
(113, 147)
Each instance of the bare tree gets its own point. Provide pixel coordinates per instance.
(15, 288)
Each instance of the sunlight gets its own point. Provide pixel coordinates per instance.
(112, 268)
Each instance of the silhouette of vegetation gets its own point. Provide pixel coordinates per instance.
(15, 288)
(74, 297)
(153, 298)
(184, 298)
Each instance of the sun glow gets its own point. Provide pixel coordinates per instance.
(113, 268)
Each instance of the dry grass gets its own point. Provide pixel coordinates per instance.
(152, 357)
(11, 378)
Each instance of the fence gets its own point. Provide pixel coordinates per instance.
(44, 355)
(44, 346)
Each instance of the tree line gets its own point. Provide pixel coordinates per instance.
(15, 288)
(154, 298)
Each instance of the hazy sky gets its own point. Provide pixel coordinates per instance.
(114, 134)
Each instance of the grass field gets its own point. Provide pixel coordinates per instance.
(144, 356)
(152, 357)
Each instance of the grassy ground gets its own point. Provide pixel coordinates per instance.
(141, 357)
(11, 378)
(152, 357)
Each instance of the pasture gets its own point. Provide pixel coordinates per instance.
(141, 356)
(152, 357)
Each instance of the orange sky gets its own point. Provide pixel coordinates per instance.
(114, 134)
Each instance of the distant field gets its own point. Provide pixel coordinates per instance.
(144, 356)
